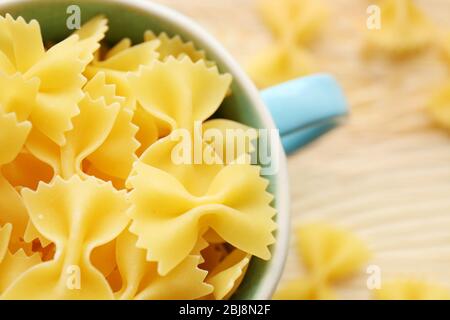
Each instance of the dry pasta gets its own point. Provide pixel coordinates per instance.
(90, 198)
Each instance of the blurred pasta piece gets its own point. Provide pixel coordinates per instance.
(329, 254)
(279, 63)
(412, 290)
(98, 211)
(404, 29)
(297, 21)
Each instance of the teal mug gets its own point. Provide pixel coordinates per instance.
(301, 109)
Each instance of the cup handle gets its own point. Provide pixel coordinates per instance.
(305, 108)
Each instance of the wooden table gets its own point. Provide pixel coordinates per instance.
(385, 174)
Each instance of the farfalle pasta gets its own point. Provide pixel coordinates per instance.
(294, 24)
(405, 29)
(93, 204)
(329, 254)
(298, 21)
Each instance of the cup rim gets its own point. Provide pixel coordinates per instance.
(273, 273)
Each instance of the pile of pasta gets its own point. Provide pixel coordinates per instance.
(91, 205)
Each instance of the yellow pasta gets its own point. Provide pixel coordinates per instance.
(227, 276)
(21, 96)
(13, 135)
(164, 209)
(141, 280)
(180, 92)
(117, 66)
(12, 211)
(121, 137)
(13, 265)
(404, 29)
(92, 203)
(57, 70)
(411, 290)
(98, 211)
(329, 254)
(90, 129)
(297, 21)
(90, 35)
(279, 63)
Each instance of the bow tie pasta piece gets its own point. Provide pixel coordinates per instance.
(297, 21)
(58, 71)
(179, 160)
(411, 290)
(279, 63)
(180, 92)
(176, 47)
(404, 29)
(164, 209)
(83, 215)
(330, 252)
(228, 275)
(141, 280)
(90, 130)
(117, 67)
(90, 35)
(61, 82)
(116, 155)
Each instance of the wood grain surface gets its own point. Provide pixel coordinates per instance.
(385, 174)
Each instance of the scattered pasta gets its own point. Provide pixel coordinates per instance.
(329, 255)
(294, 24)
(92, 206)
